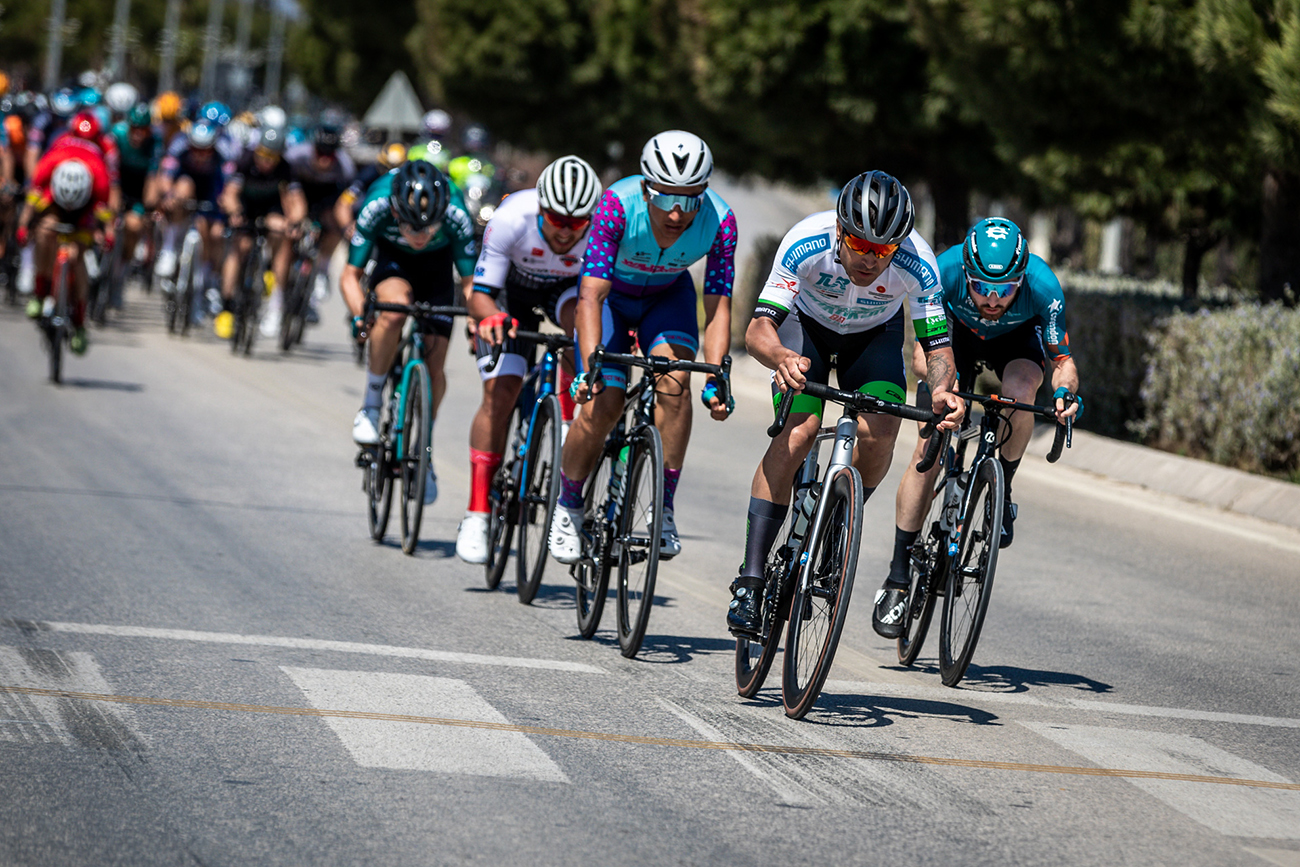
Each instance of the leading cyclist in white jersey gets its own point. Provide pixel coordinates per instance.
(533, 249)
(838, 292)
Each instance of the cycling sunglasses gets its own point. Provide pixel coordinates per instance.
(992, 290)
(563, 221)
(668, 201)
(416, 232)
(862, 246)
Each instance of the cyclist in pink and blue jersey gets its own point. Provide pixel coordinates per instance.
(648, 230)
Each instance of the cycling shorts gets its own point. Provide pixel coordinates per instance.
(867, 361)
(526, 306)
(1023, 341)
(428, 273)
(668, 316)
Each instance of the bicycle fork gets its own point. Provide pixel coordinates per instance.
(846, 434)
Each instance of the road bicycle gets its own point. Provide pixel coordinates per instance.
(956, 555)
(406, 425)
(55, 321)
(808, 577)
(179, 290)
(247, 302)
(296, 295)
(527, 484)
(623, 501)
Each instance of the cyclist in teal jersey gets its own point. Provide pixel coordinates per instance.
(648, 230)
(1008, 312)
(414, 225)
(141, 150)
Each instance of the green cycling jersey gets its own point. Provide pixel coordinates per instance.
(376, 225)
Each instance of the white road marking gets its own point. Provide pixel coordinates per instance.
(789, 793)
(1280, 857)
(956, 696)
(1238, 811)
(415, 747)
(316, 644)
(46, 719)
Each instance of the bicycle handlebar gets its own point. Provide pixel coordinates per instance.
(854, 401)
(419, 308)
(1062, 439)
(553, 342)
(659, 365)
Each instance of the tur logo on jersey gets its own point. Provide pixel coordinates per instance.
(830, 284)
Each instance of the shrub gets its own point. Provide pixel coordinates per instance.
(1225, 385)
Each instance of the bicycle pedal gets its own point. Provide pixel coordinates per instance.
(365, 457)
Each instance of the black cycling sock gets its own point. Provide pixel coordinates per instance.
(1008, 471)
(898, 567)
(762, 528)
(866, 493)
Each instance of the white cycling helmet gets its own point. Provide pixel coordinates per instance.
(569, 186)
(437, 122)
(272, 117)
(121, 96)
(676, 158)
(71, 184)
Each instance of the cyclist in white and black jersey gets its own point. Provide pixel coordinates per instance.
(533, 248)
(837, 295)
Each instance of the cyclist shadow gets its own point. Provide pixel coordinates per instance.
(1009, 679)
(671, 649)
(441, 548)
(103, 384)
(876, 711)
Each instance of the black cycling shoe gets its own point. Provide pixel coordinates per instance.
(1008, 525)
(744, 615)
(890, 612)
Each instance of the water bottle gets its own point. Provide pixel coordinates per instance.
(616, 479)
(804, 508)
(952, 502)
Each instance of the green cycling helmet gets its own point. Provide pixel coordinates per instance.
(139, 115)
(995, 251)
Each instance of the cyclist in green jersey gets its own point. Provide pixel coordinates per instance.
(141, 150)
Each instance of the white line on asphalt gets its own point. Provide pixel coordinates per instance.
(1238, 811)
(789, 793)
(1280, 857)
(410, 746)
(956, 696)
(315, 644)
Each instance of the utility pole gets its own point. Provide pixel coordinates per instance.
(170, 35)
(211, 48)
(274, 53)
(121, 21)
(54, 50)
(241, 74)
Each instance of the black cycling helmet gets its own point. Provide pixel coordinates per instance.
(877, 207)
(326, 138)
(420, 194)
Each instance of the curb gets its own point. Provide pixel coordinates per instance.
(1199, 481)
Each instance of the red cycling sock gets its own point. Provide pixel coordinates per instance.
(567, 406)
(483, 466)
(42, 288)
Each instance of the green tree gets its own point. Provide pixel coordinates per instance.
(346, 51)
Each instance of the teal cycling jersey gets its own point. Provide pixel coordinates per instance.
(622, 246)
(377, 225)
(1039, 297)
(136, 163)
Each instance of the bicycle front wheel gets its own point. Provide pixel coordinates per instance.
(821, 594)
(928, 569)
(754, 656)
(185, 289)
(970, 579)
(591, 573)
(58, 331)
(640, 529)
(502, 511)
(414, 430)
(539, 492)
(379, 491)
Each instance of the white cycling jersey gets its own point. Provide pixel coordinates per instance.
(807, 275)
(515, 253)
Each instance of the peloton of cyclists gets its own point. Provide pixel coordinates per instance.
(648, 229)
(837, 293)
(533, 249)
(1007, 308)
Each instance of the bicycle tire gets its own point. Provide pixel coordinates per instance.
(185, 288)
(591, 575)
(502, 510)
(58, 331)
(970, 578)
(640, 530)
(101, 288)
(819, 605)
(416, 427)
(291, 323)
(539, 491)
(754, 657)
(927, 569)
(379, 492)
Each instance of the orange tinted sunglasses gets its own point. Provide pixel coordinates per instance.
(862, 246)
(563, 221)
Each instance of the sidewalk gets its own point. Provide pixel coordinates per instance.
(1200, 481)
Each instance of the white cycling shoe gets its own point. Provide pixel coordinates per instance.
(365, 427)
(566, 535)
(165, 263)
(472, 538)
(670, 544)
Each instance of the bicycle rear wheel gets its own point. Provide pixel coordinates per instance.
(928, 569)
(293, 305)
(416, 425)
(640, 529)
(821, 593)
(185, 288)
(540, 490)
(58, 329)
(754, 656)
(502, 512)
(591, 574)
(970, 579)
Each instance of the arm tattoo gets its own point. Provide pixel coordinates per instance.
(939, 373)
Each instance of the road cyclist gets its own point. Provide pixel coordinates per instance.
(416, 230)
(140, 149)
(841, 286)
(532, 252)
(647, 231)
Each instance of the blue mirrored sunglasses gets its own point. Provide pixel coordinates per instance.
(993, 290)
(668, 201)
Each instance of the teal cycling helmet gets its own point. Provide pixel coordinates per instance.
(995, 251)
(139, 115)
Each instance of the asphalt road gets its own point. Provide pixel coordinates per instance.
(205, 660)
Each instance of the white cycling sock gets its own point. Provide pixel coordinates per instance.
(374, 390)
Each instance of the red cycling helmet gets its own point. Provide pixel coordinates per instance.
(86, 125)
